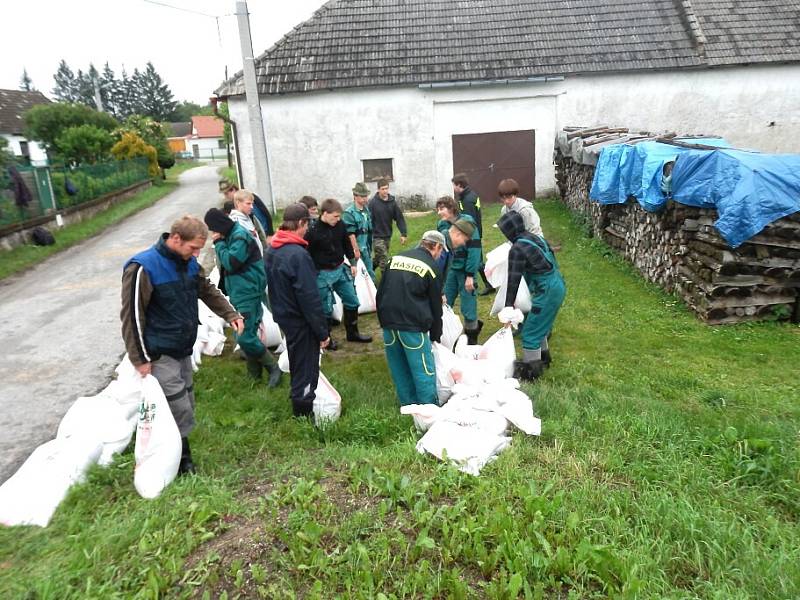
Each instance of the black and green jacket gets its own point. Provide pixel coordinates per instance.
(242, 267)
(465, 258)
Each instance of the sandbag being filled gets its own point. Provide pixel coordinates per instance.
(158, 442)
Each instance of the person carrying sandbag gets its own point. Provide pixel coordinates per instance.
(160, 289)
(241, 263)
(410, 313)
(531, 256)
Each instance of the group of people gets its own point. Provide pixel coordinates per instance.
(312, 255)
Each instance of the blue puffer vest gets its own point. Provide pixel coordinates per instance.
(171, 319)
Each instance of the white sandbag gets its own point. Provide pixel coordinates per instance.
(451, 327)
(338, 308)
(101, 419)
(516, 406)
(126, 389)
(283, 361)
(499, 349)
(158, 442)
(32, 494)
(268, 332)
(207, 316)
(522, 301)
(213, 276)
(282, 346)
(468, 447)
(447, 368)
(465, 350)
(424, 415)
(327, 402)
(365, 290)
(496, 265)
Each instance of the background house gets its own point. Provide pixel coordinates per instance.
(207, 138)
(13, 105)
(422, 88)
(179, 133)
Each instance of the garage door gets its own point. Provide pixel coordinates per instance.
(488, 158)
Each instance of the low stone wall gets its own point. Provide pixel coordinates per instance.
(680, 249)
(18, 234)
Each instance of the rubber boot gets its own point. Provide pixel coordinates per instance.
(332, 322)
(488, 289)
(303, 408)
(528, 370)
(332, 345)
(254, 367)
(351, 327)
(273, 369)
(186, 466)
(472, 334)
(546, 360)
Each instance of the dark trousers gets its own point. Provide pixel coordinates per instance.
(303, 348)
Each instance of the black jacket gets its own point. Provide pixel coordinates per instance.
(383, 212)
(523, 258)
(470, 203)
(327, 245)
(410, 294)
(293, 294)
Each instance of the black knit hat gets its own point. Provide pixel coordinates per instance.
(218, 221)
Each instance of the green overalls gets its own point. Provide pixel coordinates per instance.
(547, 294)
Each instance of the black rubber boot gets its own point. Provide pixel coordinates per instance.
(272, 368)
(351, 327)
(488, 289)
(528, 370)
(254, 367)
(546, 358)
(332, 322)
(186, 466)
(303, 408)
(472, 334)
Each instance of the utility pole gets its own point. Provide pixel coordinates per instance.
(260, 160)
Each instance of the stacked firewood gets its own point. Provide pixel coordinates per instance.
(680, 249)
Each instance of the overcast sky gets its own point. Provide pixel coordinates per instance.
(185, 48)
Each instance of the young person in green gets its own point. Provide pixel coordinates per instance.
(242, 265)
(358, 222)
(464, 244)
(328, 245)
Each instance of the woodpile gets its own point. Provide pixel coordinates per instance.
(679, 248)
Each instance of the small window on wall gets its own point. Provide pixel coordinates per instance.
(24, 150)
(378, 168)
(221, 144)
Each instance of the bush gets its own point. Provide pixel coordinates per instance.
(131, 145)
(83, 144)
(46, 122)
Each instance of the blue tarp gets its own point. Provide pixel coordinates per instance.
(749, 190)
(625, 170)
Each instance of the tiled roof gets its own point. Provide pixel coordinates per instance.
(179, 129)
(208, 127)
(358, 43)
(13, 104)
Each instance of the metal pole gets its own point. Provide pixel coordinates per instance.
(260, 160)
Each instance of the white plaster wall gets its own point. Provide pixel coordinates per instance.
(205, 146)
(316, 141)
(738, 103)
(37, 153)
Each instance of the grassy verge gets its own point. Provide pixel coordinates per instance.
(668, 467)
(24, 257)
(229, 173)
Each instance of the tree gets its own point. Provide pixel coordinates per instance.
(83, 144)
(110, 91)
(45, 122)
(66, 89)
(184, 111)
(25, 82)
(5, 154)
(130, 146)
(125, 100)
(155, 97)
(152, 133)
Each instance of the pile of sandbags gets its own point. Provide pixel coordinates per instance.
(479, 402)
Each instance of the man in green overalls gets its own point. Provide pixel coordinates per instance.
(410, 313)
(358, 222)
(464, 244)
(531, 256)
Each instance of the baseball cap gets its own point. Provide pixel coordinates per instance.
(295, 212)
(433, 236)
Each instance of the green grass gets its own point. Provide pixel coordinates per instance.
(229, 173)
(24, 257)
(668, 467)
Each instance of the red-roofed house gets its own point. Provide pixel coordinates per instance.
(207, 139)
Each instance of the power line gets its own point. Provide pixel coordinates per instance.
(189, 10)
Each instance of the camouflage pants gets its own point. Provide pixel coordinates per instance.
(381, 256)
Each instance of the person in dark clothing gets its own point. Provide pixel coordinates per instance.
(383, 209)
(469, 203)
(328, 243)
(241, 265)
(313, 210)
(531, 256)
(410, 313)
(296, 306)
(160, 290)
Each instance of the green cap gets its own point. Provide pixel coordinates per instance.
(360, 189)
(464, 227)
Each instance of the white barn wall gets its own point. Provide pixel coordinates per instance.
(37, 153)
(316, 141)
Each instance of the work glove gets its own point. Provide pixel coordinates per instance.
(511, 316)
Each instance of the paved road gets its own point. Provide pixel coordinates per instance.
(59, 323)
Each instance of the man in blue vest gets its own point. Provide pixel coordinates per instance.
(160, 290)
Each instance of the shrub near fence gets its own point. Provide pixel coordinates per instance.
(92, 181)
